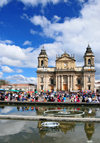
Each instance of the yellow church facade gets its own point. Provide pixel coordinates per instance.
(66, 76)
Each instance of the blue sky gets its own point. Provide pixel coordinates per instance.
(59, 25)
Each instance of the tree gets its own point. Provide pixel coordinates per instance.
(3, 82)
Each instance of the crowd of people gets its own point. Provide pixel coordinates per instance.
(60, 96)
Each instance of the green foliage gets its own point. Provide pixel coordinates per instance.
(3, 82)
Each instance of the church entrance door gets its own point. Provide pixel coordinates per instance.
(52, 87)
(65, 87)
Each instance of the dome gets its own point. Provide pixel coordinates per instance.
(43, 51)
(88, 51)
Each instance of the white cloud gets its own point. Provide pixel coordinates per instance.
(6, 110)
(11, 62)
(22, 79)
(13, 55)
(33, 32)
(27, 43)
(24, 16)
(4, 2)
(43, 2)
(11, 51)
(40, 20)
(6, 42)
(19, 70)
(1, 74)
(16, 127)
(82, 1)
(56, 18)
(73, 35)
(7, 69)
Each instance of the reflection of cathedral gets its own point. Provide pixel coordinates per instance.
(89, 130)
(64, 127)
(66, 75)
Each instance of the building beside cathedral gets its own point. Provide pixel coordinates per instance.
(66, 76)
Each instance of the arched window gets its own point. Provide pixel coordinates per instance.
(42, 63)
(51, 81)
(89, 79)
(89, 87)
(78, 81)
(89, 61)
(42, 87)
(42, 79)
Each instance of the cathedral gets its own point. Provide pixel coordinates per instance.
(66, 76)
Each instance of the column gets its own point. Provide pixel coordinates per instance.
(74, 82)
(84, 82)
(71, 82)
(38, 84)
(44, 84)
(46, 78)
(68, 83)
(62, 82)
(56, 83)
(93, 88)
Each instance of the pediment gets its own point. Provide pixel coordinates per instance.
(65, 58)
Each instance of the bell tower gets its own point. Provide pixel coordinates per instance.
(89, 57)
(43, 59)
(88, 70)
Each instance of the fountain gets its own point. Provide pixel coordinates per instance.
(50, 124)
(69, 113)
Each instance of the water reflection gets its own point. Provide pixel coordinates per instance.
(88, 112)
(89, 130)
(39, 110)
(28, 132)
(44, 131)
(64, 128)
